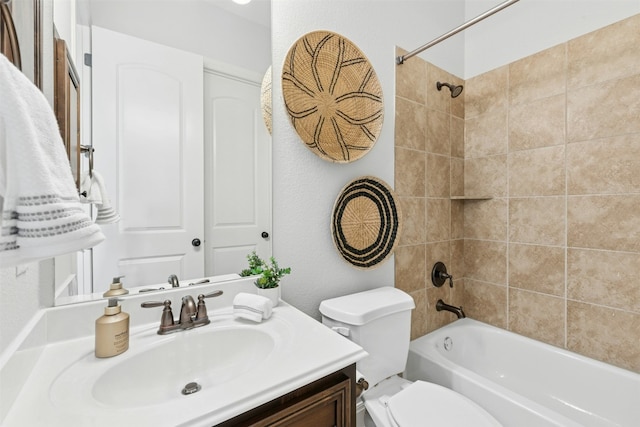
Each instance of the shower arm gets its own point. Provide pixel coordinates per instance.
(400, 59)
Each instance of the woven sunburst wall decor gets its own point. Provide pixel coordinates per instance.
(366, 222)
(265, 99)
(333, 96)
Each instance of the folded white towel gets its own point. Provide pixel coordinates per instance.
(252, 307)
(41, 215)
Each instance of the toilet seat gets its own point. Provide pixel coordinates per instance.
(423, 403)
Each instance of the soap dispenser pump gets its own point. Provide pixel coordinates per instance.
(112, 331)
(115, 288)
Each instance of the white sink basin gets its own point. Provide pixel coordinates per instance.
(157, 368)
(158, 374)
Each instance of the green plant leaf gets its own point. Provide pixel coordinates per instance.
(271, 274)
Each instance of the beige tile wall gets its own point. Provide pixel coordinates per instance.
(554, 139)
(429, 161)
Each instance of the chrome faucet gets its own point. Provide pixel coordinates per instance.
(173, 281)
(191, 315)
(441, 305)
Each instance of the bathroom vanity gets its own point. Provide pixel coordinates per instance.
(328, 401)
(289, 368)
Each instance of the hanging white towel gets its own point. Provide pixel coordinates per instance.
(89, 187)
(106, 213)
(97, 194)
(41, 215)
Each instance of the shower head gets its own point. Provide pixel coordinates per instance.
(455, 90)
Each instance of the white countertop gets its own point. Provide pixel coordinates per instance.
(307, 351)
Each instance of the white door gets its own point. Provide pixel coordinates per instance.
(147, 135)
(238, 180)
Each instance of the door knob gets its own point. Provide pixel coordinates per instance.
(264, 234)
(196, 242)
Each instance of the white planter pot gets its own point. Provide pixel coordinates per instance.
(272, 293)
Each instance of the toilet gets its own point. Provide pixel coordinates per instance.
(379, 321)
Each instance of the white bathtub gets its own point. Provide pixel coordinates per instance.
(523, 382)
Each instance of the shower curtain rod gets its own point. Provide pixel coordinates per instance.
(400, 59)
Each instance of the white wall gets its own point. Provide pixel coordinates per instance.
(64, 19)
(305, 187)
(196, 25)
(530, 26)
(412, 24)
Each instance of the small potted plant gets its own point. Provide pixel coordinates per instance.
(268, 282)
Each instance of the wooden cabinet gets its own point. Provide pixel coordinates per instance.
(327, 402)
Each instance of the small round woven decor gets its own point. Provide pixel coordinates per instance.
(265, 99)
(333, 96)
(366, 222)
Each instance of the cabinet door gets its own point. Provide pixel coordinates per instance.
(327, 408)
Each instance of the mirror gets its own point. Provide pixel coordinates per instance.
(8, 37)
(231, 39)
(22, 38)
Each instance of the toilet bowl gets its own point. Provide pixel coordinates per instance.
(396, 402)
(379, 321)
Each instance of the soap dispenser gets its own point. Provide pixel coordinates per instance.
(112, 331)
(115, 288)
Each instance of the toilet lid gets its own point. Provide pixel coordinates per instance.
(423, 403)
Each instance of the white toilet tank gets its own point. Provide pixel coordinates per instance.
(379, 321)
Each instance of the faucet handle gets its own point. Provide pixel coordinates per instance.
(450, 277)
(150, 304)
(439, 275)
(211, 294)
(361, 386)
(202, 308)
(166, 320)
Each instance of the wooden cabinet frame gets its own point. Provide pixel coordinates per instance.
(22, 45)
(8, 38)
(327, 402)
(67, 105)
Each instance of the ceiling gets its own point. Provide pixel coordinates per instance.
(257, 11)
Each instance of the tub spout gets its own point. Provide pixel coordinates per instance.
(441, 305)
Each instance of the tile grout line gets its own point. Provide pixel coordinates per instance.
(508, 240)
(566, 201)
